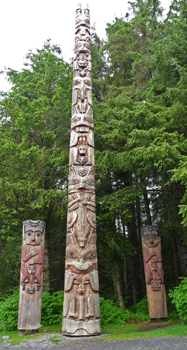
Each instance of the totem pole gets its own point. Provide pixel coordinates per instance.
(154, 275)
(81, 311)
(31, 275)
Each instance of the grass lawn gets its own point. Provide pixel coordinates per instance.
(117, 332)
(130, 331)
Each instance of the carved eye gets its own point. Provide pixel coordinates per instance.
(87, 281)
(71, 255)
(90, 255)
(38, 234)
(29, 234)
(76, 281)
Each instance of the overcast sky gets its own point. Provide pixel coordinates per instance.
(28, 24)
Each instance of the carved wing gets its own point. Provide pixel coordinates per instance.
(72, 217)
(91, 219)
(94, 281)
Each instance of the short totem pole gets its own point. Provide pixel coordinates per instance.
(31, 275)
(154, 274)
(81, 311)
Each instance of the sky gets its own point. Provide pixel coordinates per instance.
(26, 25)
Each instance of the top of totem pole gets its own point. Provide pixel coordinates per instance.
(33, 231)
(149, 229)
(82, 29)
(33, 223)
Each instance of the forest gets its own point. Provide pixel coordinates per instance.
(139, 77)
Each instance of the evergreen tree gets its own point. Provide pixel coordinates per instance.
(35, 121)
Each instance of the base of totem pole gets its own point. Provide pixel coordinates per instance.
(29, 316)
(161, 320)
(157, 303)
(22, 333)
(73, 328)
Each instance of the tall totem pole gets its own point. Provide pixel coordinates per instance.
(81, 311)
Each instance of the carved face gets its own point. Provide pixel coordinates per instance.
(33, 235)
(82, 150)
(154, 266)
(82, 34)
(83, 59)
(79, 261)
(151, 239)
(31, 269)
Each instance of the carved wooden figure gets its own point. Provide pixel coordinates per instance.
(154, 275)
(31, 275)
(81, 310)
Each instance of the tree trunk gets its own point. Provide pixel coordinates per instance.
(174, 255)
(147, 208)
(135, 260)
(139, 225)
(117, 285)
(46, 279)
(134, 281)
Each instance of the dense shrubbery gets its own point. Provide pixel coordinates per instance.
(179, 298)
(52, 308)
(51, 312)
(111, 314)
(141, 311)
(9, 312)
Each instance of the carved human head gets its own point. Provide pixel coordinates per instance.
(82, 150)
(33, 232)
(82, 59)
(150, 236)
(31, 269)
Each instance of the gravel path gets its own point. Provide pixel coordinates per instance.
(96, 343)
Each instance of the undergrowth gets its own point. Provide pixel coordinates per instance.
(179, 298)
(52, 305)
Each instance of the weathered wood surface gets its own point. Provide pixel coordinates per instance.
(81, 310)
(31, 275)
(154, 275)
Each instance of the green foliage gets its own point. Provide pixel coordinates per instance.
(34, 138)
(9, 312)
(51, 311)
(179, 298)
(52, 305)
(112, 315)
(141, 310)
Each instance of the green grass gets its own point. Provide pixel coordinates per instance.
(130, 331)
(117, 332)
(122, 328)
(56, 339)
(16, 339)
